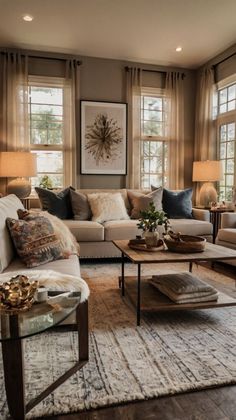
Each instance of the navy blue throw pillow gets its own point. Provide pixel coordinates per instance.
(58, 204)
(178, 204)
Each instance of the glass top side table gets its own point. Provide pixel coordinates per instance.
(39, 318)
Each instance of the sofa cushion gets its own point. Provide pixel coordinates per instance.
(121, 229)
(227, 235)
(178, 204)
(8, 208)
(140, 202)
(55, 203)
(80, 206)
(86, 231)
(191, 227)
(35, 240)
(107, 206)
(68, 266)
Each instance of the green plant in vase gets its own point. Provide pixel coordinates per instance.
(46, 182)
(149, 221)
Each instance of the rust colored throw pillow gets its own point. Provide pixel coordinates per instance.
(35, 241)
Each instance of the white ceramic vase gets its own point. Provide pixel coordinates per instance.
(151, 238)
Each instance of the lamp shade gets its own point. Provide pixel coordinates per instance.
(208, 170)
(17, 164)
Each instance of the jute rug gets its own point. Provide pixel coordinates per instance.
(168, 354)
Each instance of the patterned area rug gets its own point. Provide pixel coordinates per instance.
(168, 354)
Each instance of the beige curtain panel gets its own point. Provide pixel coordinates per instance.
(175, 128)
(204, 142)
(133, 97)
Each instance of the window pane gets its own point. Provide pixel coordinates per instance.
(223, 96)
(223, 150)
(223, 132)
(49, 161)
(231, 131)
(230, 166)
(223, 108)
(155, 180)
(153, 115)
(231, 92)
(152, 103)
(229, 180)
(231, 105)
(230, 149)
(46, 95)
(46, 109)
(152, 128)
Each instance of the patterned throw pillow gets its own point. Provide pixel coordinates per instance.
(35, 241)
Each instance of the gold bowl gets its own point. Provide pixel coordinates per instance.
(17, 294)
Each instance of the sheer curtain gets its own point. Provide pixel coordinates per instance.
(72, 122)
(133, 92)
(175, 128)
(204, 144)
(14, 133)
(14, 102)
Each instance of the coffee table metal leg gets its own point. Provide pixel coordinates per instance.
(190, 267)
(12, 354)
(138, 294)
(123, 275)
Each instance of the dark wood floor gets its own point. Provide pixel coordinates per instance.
(212, 404)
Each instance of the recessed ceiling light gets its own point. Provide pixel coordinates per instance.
(27, 18)
(178, 49)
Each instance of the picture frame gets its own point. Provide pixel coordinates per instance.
(103, 138)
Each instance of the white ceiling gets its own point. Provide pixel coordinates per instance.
(145, 31)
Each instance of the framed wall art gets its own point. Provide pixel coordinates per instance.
(103, 137)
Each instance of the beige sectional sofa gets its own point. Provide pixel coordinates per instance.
(10, 262)
(227, 233)
(95, 238)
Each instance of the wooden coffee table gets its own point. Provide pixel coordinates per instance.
(162, 303)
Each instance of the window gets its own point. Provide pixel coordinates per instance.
(154, 146)
(226, 133)
(49, 130)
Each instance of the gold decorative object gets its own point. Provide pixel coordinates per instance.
(17, 294)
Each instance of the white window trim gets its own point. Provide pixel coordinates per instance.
(68, 147)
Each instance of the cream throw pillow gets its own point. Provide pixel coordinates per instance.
(107, 207)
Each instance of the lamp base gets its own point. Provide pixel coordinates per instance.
(21, 187)
(207, 194)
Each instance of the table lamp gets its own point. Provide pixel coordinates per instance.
(18, 165)
(207, 171)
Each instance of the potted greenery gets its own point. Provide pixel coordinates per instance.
(149, 221)
(46, 182)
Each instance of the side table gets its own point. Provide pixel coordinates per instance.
(39, 318)
(215, 218)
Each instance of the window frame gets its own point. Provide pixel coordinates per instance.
(225, 118)
(163, 139)
(66, 147)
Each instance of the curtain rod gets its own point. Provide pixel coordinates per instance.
(224, 59)
(47, 56)
(152, 71)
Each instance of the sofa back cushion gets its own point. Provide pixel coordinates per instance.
(8, 208)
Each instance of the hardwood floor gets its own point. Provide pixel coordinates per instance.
(212, 404)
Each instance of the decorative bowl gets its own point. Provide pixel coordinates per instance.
(17, 294)
(185, 243)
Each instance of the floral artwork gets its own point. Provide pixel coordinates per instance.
(103, 138)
